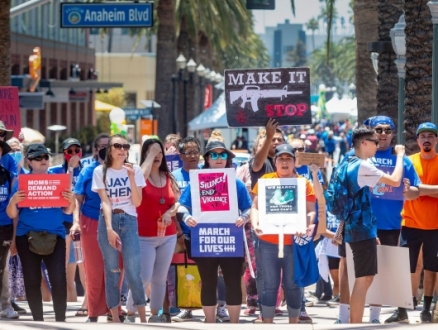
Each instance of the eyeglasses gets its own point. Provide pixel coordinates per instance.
(40, 158)
(118, 146)
(300, 149)
(379, 130)
(76, 151)
(375, 141)
(222, 155)
(191, 154)
(3, 134)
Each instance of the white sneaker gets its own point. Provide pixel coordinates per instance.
(157, 319)
(184, 315)
(9, 313)
(221, 314)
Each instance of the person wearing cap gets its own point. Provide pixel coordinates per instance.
(419, 221)
(217, 156)
(7, 161)
(40, 219)
(272, 265)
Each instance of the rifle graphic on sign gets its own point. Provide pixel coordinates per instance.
(251, 94)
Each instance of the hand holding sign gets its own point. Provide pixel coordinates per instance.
(18, 197)
(68, 195)
(191, 222)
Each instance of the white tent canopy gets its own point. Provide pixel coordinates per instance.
(213, 117)
(340, 109)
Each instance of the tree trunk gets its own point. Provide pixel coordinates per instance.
(418, 88)
(387, 79)
(166, 65)
(5, 44)
(365, 24)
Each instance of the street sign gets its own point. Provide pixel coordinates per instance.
(99, 15)
(134, 114)
(32, 101)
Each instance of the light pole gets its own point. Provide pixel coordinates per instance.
(191, 68)
(57, 129)
(180, 65)
(201, 72)
(398, 38)
(433, 6)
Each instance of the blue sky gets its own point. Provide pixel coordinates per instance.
(304, 11)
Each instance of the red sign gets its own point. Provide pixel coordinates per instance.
(44, 190)
(10, 108)
(208, 96)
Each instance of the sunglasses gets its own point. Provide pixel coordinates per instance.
(40, 158)
(70, 151)
(118, 146)
(300, 149)
(379, 130)
(222, 155)
(3, 134)
(191, 154)
(375, 141)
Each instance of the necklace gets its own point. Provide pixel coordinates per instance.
(161, 190)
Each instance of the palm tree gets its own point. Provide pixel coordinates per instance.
(5, 42)
(418, 88)
(313, 25)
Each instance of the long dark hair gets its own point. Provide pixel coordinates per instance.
(108, 162)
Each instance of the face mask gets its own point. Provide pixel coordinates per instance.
(16, 155)
(102, 153)
(67, 156)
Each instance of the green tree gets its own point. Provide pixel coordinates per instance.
(115, 96)
(298, 55)
(5, 42)
(312, 25)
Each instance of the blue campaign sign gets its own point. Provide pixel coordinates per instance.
(97, 15)
(383, 191)
(217, 240)
(173, 162)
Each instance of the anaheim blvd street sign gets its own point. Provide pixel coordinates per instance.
(98, 15)
(253, 96)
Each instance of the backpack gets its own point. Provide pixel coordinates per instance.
(5, 176)
(338, 198)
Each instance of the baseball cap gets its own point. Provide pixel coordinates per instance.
(70, 142)
(284, 149)
(427, 127)
(37, 149)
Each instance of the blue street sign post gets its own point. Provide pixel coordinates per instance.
(99, 15)
(134, 114)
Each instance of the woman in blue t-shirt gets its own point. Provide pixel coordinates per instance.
(33, 221)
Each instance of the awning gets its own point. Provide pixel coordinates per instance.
(92, 84)
(104, 107)
(213, 117)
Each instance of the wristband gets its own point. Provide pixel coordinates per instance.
(71, 169)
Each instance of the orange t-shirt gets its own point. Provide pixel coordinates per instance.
(422, 213)
(310, 197)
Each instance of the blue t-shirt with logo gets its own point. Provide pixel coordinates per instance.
(182, 177)
(49, 219)
(5, 196)
(387, 211)
(8, 162)
(62, 169)
(91, 205)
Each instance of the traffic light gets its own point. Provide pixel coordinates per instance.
(260, 4)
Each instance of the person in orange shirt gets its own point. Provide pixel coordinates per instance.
(419, 219)
(272, 265)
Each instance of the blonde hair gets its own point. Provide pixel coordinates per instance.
(297, 141)
(216, 136)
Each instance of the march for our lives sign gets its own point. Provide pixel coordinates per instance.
(383, 191)
(217, 240)
(174, 162)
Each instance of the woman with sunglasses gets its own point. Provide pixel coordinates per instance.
(157, 210)
(119, 186)
(72, 155)
(217, 156)
(41, 219)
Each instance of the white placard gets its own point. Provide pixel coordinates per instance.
(214, 195)
(392, 285)
(282, 202)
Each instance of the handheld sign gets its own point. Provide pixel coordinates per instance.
(383, 191)
(174, 162)
(44, 190)
(10, 108)
(252, 96)
(308, 158)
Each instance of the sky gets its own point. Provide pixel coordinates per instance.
(304, 11)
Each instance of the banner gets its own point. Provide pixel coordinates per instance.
(44, 190)
(383, 191)
(217, 240)
(282, 203)
(174, 162)
(10, 109)
(252, 96)
(214, 195)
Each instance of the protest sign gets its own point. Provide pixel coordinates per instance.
(10, 109)
(44, 190)
(282, 204)
(392, 285)
(252, 96)
(308, 158)
(217, 240)
(174, 162)
(380, 190)
(214, 195)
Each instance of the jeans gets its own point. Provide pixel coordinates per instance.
(55, 264)
(156, 255)
(323, 288)
(259, 269)
(6, 233)
(125, 226)
(272, 267)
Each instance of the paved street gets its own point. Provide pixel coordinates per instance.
(323, 318)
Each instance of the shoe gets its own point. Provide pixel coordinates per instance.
(338, 321)
(399, 316)
(221, 314)
(17, 308)
(109, 318)
(375, 321)
(183, 316)
(309, 303)
(276, 197)
(287, 197)
(425, 317)
(9, 313)
(251, 311)
(91, 319)
(174, 311)
(158, 319)
(259, 319)
(283, 303)
(324, 299)
(131, 318)
(126, 320)
(304, 318)
(333, 302)
(123, 299)
(415, 302)
(278, 312)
